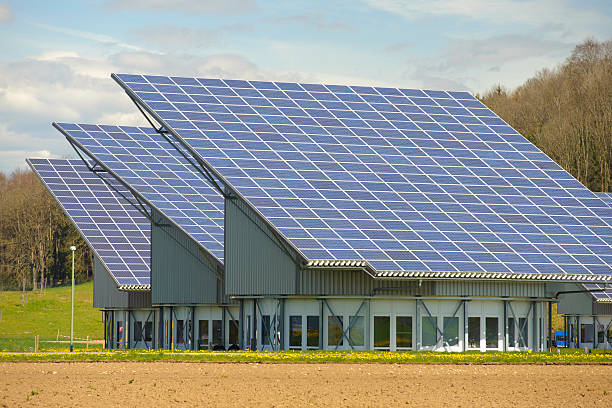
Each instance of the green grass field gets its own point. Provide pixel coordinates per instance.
(44, 314)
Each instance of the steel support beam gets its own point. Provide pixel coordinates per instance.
(241, 324)
(321, 326)
(465, 325)
(505, 325)
(418, 324)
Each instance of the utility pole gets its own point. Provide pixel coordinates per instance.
(72, 248)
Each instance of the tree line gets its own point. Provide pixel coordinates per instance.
(567, 112)
(35, 237)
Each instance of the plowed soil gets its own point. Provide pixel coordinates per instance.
(293, 385)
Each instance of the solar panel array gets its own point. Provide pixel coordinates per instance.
(158, 172)
(405, 179)
(97, 205)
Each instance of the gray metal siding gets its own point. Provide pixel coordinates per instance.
(139, 300)
(255, 262)
(575, 304)
(105, 292)
(180, 270)
(352, 283)
(602, 308)
(489, 288)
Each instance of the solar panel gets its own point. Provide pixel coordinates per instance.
(160, 174)
(602, 293)
(97, 205)
(408, 180)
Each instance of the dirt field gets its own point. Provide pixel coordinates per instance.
(229, 385)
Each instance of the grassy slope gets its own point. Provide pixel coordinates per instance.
(45, 314)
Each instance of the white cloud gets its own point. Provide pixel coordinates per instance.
(478, 64)
(6, 13)
(532, 12)
(99, 38)
(185, 6)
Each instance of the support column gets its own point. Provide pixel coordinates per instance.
(193, 336)
(368, 342)
(578, 332)
(223, 320)
(281, 326)
(170, 327)
(418, 324)
(254, 326)
(126, 319)
(550, 328)
(321, 310)
(505, 325)
(465, 325)
(241, 325)
(105, 323)
(535, 326)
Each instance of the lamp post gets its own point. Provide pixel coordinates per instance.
(72, 248)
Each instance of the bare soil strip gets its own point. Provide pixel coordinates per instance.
(291, 385)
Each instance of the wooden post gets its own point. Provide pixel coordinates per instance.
(57, 338)
(36, 343)
(87, 344)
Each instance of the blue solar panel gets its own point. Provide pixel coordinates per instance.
(98, 206)
(390, 176)
(159, 173)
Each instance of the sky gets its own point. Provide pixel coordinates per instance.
(56, 57)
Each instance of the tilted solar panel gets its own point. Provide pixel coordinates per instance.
(408, 180)
(600, 292)
(159, 174)
(98, 206)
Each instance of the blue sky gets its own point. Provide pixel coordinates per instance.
(57, 56)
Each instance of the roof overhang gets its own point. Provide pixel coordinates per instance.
(362, 265)
(134, 288)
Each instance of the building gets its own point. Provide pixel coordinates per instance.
(299, 216)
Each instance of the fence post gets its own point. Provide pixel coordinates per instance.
(57, 338)
(87, 344)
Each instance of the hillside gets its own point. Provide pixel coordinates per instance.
(45, 313)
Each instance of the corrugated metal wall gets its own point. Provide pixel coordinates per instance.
(255, 263)
(602, 308)
(180, 272)
(139, 300)
(350, 283)
(105, 292)
(486, 288)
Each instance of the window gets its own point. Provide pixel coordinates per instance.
(586, 333)
(356, 333)
(524, 330)
(474, 332)
(492, 332)
(382, 331)
(450, 330)
(180, 329)
(511, 339)
(217, 331)
(295, 331)
(233, 331)
(137, 332)
(265, 330)
(202, 334)
(148, 331)
(312, 331)
(403, 331)
(334, 330)
(430, 334)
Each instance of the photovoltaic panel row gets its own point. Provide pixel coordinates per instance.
(408, 180)
(601, 292)
(158, 172)
(97, 204)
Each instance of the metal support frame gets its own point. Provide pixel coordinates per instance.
(345, 333)
(105, 326)
(418, 324)
(193, 337)
(254, 326)
(465, 325)
(595, 325)
(232, 319)
(125, 329)
(321, 326)
(535, 326)
(281, 325)
(525, 323)
(505, 325)
(223, 319)
(241, 324)
(550, 330)
(161, 339)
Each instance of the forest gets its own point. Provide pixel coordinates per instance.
(565, 111)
